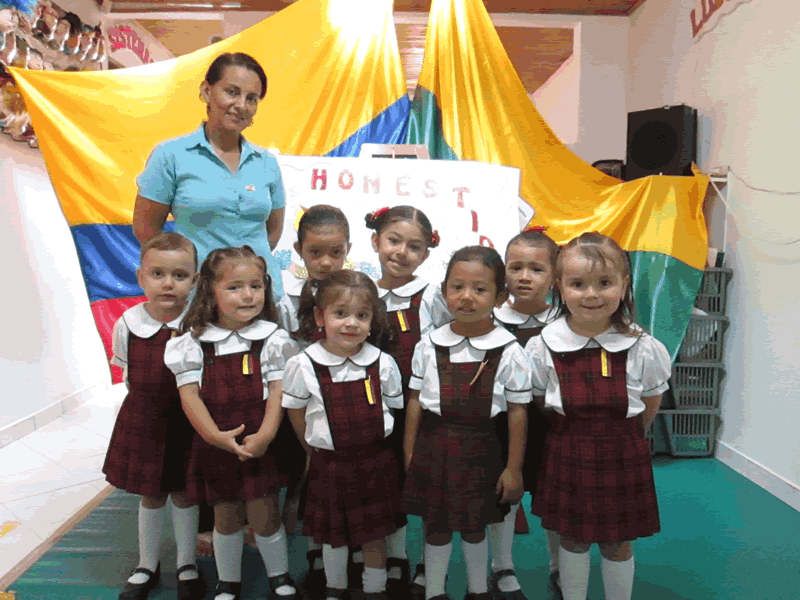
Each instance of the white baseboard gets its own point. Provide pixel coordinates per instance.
(762, 476)
(21, 428)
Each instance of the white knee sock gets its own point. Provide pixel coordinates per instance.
(151, 523)
(228, 556)
(501, 536)
(184, 524)
(374, 580)
(437, 559)
(335, 560)
(275, 554)
(476, 559)
(574, 573)
(553, 544)
(618, 578)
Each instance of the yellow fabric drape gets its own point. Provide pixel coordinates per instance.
(488, 116)
(332, 66)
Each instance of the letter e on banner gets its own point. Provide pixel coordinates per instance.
(401, 182)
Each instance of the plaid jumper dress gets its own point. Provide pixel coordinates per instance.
(149, 448)
(353, 490)
(538, 424)
(233, 397)
(457, 460)
(597, 485)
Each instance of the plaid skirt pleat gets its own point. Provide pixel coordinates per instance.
(352, 495)
(597, 485)
(538, 426)
(149, 447)
(451, 481)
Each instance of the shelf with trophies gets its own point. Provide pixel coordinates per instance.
(40, 35)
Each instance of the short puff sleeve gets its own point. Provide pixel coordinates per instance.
(119, 345)
(277, 350)
(540, 372)
(295, 383)
(419, 363)
(184, 357)
(651, 367)
(514, 372)
(391, 381)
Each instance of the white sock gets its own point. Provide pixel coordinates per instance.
(553, 544)
(275, 554)
(184, 523)
(501, 536)
(358, 556)
(151, 523)
(574, 573)
(437, 559)
(476, 557)
(335, 560)
(228, 556)
(312, 545)
(618, 578)
(374, 580)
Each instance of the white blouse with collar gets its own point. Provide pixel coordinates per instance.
(290, 303)
(431, 304)
(184, 355)
(512, 382)
(507, 315)
(138, 321)
(648, 365)
(301, 388)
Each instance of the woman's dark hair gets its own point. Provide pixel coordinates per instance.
(379, 219)
(601, 250)
(236, 59)
(321, 293)
(203, 309)
(536, 239)
(488, 257)
(321, 215)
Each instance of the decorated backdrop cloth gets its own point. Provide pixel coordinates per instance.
(335, 82)
(470, 104)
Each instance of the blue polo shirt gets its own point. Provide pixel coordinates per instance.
(211, 206)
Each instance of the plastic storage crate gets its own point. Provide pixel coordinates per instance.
(691, 432)
(704, 339)
(696, 386)
(713, 290)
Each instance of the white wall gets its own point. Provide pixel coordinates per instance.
(51, 355)
(741, 76)
(557, 100)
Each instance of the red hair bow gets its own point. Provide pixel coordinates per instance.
(534, 228)
(377, 213)
(435, 238)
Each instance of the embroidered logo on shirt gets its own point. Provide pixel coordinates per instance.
(250, 187)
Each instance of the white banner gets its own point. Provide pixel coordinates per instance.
(467, 202)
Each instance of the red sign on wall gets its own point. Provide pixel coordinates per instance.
(123, 36)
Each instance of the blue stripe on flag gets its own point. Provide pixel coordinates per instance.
(389, 127)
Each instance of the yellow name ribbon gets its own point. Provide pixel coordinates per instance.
(247, 365)
(368, 386)
(604, 366)
(402, 319)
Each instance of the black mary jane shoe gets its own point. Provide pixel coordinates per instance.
(483, 596)
(374, 596)
(497, 593)
(554, 583)
(191, 589)
(311, 586)
(417, 591)
(234, 588)
(280, 581)
(140, 591)
(398, 589)
(336, 593)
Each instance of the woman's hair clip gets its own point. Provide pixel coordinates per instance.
(534, 228)
(435, 238)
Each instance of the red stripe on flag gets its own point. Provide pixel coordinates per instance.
(106, 313)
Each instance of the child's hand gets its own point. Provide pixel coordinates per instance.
(256, 445)
(408, 457)
(226, 440)
(509, 487)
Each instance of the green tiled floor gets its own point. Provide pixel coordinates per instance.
(723, 538)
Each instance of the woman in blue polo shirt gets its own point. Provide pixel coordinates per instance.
(221, 189)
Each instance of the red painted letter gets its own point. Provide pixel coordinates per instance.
(350, 180)
(460, 199)
(322, 176)
(376, 184)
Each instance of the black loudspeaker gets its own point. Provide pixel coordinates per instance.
(661, 141)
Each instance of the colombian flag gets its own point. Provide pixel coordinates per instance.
(471, 105)
(335, 82)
